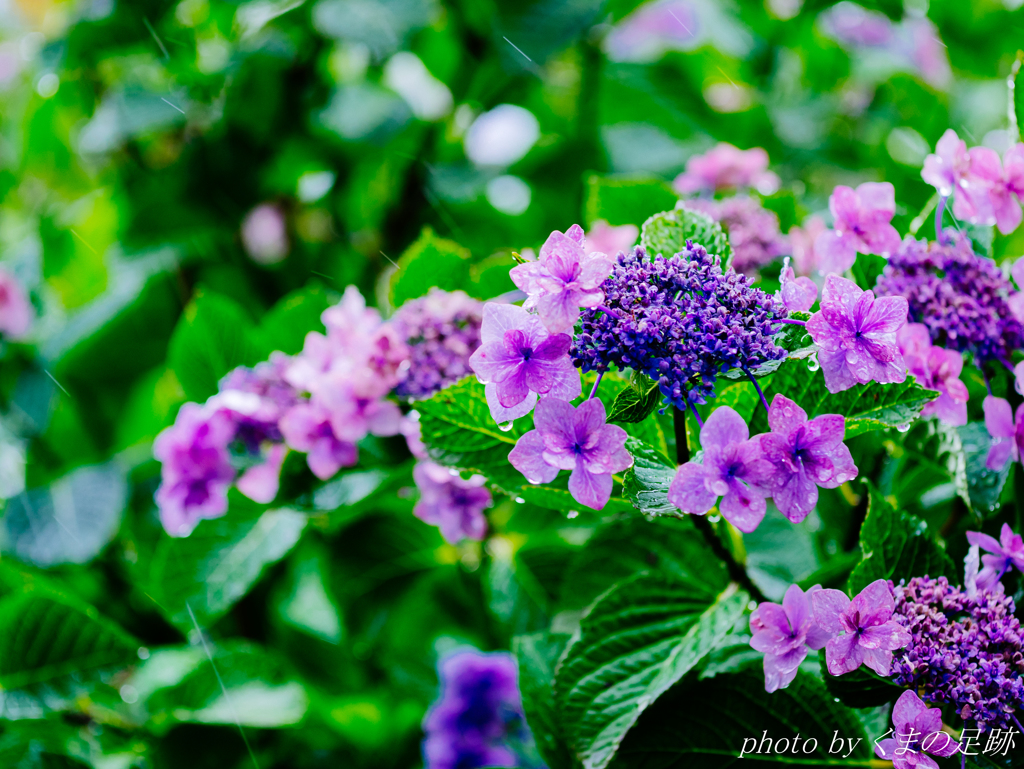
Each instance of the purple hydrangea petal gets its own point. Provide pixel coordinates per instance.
(723, 427)
(527, 458)
(590, 489)
(780, 670)
(688, 490)
(827, 607)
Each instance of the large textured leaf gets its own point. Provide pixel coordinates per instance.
(212, 568)
(708, 724)
(666, 233)
(537, 655)
(625, 199)
(866, 407)
(646, 482)
(636, 402)
(896, 545)
(430, 261)
(45, 636)
(638, 640)
(984, 486)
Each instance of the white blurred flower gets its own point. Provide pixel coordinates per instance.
(265, 235)
(313, 185)
(509, 194)
(728, 97)
(12, 467)
(427, 97)
(502, 136)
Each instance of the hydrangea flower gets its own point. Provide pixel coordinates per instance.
(936, 369)
(733, 468)
(917, 730)
(441, 331)
(862, 225)
(307, 427)
(261, 482)
(753, 230)
(453, 504)
(966, 651)
(1007, 432)
(16, 312)
(519, 360)
(196, 470)
(806, 261)
(1005, 552)
(564, 279)
(798, 294)
(576, 439)
(964, 299)
(804, 455)
(947, 169)
(785, 634)
(857, 335)
(606, 239)
(681, 321)
(1002, 187)
(727, 167)
(477, 714)
(866, 632)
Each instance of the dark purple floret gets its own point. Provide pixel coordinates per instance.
(961, 297)
(442, 329)
(681, 321)
(966, 651)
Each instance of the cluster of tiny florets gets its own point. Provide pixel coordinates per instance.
(966, 651)
(681, 321)
(960, 296)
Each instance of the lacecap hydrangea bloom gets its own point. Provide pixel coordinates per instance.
(917, 730)
(862, 225)
(785, 634)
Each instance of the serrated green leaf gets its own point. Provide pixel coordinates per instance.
(537, 655)
(625, 199)
(430, 261)
(639, 639)
(646, 482)
(666, 233)
(984, 486)
(210, 570)
(866, 407)
(635, 403)
(896, 545)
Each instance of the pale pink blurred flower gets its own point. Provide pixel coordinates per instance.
(265, 234)
(16, 313)
(652, 29)
(727, 167)
(801, 241)
(606, 239)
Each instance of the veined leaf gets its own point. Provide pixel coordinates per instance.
(646, 482)
(666, 233)
(537, 655)
(430, 261)
(635, 403)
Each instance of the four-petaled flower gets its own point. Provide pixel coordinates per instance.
(518, 359)
(857, 335)
(733, 468)
(577, 439)
(1001, 186)
(805, 454)
(798, 294)
(564, 279)
(866, 632)
(1006, 552)
(917, 731)
(785, 633)
(1006, 430)
(937, 369)
(862, 225)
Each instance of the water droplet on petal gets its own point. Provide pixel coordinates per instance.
(812, 362)
(505, 427)
(903, 428)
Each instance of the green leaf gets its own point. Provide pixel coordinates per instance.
(984, 486)
(636, 402)
(638, 640)
(866, 407)
(646, 482)
(708, 723)
(666, 233)
(285, 326)
(212, 568)
(625, 199)
(537, 655)
(867, 269)
(213, 336)
(863, 688)
(430, 261)
(45, 635)
(896, 545)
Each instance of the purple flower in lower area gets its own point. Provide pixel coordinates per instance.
(866, 631)
(196, 470)
(564, 279)
(441, 330)
(1007, 432)
(804, 454)
(862, 225)
(576, 439)
(478, 717)
(753, 230)
(798, 294)
(857, 335)
(733, 468)
(966, 651)
(307, 427)
(785, 634)
(936, 369)
(520, 360)
(453, 504)
(917, 730)
(16, 313)
(964, 299)
(1003, 553)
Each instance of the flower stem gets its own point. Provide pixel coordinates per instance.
(764, 401)
(693, 409)
(597, 382)
(940, 209)
(794, 321)
(736, 571)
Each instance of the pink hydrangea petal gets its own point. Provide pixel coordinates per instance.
(784, 415)
(590, 489)
(513, 390)
(773, 628)
(888, 314)
(261, 482)
(797, 606)
(559, 311)
(838, 374)
(939, 743)
(906, 710)
(835, 252)
(998, 417)
(501, 414)
(595, 268)
(780, 671)
(984, 541)
(844, 655)
(879, 660)
(723, 427)
(688, 490)
(499, 318)
(527, 458)
(889, 636)
(743, 507)
(827, 605)
(565, 381)
(795, 495)
(844, 205)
